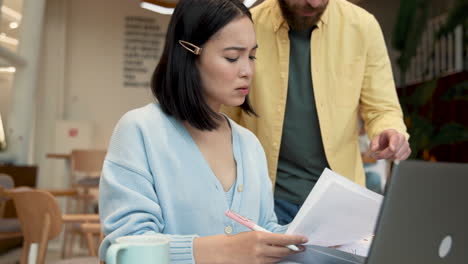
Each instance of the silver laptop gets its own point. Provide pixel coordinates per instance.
(423, 220)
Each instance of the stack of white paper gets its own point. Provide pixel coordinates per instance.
(338, 213)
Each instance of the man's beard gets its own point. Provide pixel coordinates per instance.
(297, 22)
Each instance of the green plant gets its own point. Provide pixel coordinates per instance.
(411, 23)
(418, 107)
(457, 16)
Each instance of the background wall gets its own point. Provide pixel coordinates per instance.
(6, 79)
(95, 63)
(5, 93)
(82, 74)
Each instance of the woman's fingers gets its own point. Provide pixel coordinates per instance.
(261, 247)
(274, 245)
(282, 240)
(278, 251)
(269, 260)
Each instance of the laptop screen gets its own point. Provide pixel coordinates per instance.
(424, 216)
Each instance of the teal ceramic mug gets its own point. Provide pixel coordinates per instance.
(142, 249)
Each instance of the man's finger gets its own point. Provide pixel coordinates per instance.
(406, 155)
(395, 141)
(374, 145)
(401, 151)
(384, 154)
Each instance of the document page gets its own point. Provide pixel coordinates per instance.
(360, 247)
(323, 255)
(338, 212)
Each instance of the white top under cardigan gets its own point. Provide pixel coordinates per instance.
(155, 180)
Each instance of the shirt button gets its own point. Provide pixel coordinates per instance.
(278, 109)
(275, 144)
(240, 188)
(228, 230)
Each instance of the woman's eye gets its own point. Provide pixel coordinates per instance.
(252, 57)
(232, 60)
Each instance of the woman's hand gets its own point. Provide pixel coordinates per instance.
(260, 247)
(247, 247)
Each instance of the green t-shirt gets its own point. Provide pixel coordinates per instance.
(301, 158)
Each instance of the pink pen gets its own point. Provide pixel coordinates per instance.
(252, 225)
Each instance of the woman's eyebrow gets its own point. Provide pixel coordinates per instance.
(240, 48)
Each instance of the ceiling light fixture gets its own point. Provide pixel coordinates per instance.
(8, 69)
(167, 8)
(11, 13)
(9, 40)
(249, 3)
(13, 25)
(164, 7)
(157, 8)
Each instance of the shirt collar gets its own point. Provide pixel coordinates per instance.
(279, 21)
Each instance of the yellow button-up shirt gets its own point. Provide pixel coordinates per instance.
(350, 70)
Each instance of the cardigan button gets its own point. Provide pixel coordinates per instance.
(228, 230)
(240, 188)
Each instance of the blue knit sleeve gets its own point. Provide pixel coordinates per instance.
(181, 248)
(128, 202)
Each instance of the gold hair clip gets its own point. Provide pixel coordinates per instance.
(190, 47)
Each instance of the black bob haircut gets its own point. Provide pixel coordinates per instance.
(176, 81)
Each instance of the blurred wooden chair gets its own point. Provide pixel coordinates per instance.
(90, 229)
(41, 220)
(10, 228)
(85, 171)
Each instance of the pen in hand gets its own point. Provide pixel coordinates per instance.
(252, 225)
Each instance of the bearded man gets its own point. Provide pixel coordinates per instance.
(319, 64)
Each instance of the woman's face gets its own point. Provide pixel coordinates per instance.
(226, 64)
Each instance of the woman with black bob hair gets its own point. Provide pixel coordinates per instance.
(177, 165)
(176, 81)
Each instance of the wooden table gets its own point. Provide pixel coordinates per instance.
(58, 156)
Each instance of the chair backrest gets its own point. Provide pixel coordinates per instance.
(6, 182)
(10, 228)
(40, 218)
(86, 162)
(33, 207)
